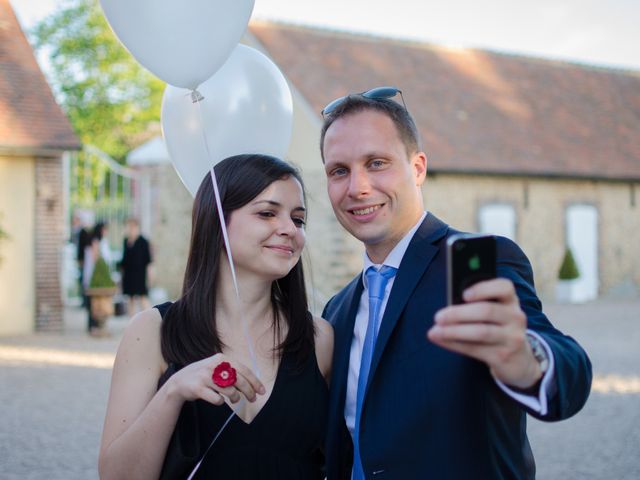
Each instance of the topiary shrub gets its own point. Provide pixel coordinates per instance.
(101, 277)
(568, 268)
(101, 290)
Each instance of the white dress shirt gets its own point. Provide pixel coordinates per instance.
(538, 404)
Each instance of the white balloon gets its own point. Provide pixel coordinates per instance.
(247, 108)
(181, 42)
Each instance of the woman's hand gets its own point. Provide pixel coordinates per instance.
(195, 382)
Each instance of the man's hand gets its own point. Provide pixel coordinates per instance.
(491, 328)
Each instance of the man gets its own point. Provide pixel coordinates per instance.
(420, 389)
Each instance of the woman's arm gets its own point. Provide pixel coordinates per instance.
(140, 420)
(324, 346)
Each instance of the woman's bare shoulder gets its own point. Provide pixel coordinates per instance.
(322, 326)
(141, 338)
(324, 345)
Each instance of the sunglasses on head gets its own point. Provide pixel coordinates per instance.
(377, 93)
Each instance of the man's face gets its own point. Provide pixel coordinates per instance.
(373, 184)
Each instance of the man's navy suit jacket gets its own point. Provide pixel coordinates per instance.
(428, 412)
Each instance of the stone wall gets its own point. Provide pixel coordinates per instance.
(333, 257)
(170, 232)
(540, 206)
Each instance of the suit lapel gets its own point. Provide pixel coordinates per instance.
(415, 261)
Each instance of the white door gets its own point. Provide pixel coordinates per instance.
(582, 238)
(498, 219)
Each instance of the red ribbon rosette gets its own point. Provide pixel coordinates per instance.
(224, 375)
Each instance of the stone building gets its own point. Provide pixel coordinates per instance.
(34, 136)
(167, 221)
(546, 152)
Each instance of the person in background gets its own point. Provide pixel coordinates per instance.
(97, 247)
(136, 257)
(81, 236)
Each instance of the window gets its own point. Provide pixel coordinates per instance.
(497, 219)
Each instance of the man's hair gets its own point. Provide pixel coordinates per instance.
(401, 118)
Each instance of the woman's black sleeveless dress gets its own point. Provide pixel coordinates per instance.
(284, 441)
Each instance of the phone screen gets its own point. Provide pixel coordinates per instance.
(470, 259)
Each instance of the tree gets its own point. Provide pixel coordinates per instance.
(111, 101)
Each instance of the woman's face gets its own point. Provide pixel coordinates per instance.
(133, 230)
(267, 234)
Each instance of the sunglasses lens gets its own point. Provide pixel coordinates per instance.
(332, 106)
(373, 94)
(381, 92)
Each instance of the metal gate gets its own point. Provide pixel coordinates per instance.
(99, 189)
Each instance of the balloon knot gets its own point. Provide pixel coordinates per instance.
(196, 96)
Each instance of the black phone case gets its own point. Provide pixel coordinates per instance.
(471, 259)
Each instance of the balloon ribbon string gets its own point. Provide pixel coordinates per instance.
(193, 472)
(196, 98)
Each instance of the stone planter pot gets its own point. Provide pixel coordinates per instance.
(101, 304)
(565, 291)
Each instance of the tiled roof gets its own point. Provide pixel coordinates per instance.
(478, 111)
(30, 118)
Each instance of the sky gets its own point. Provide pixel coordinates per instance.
(603, 33)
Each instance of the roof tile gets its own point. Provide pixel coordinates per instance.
(478, 111)
(30, 118)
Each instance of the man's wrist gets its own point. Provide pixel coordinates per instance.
(539, 352)
(540, 366)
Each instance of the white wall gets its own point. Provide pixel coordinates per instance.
(17, 285)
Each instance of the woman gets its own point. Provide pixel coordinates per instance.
(97, 247)
(164, 406)
(136, 257)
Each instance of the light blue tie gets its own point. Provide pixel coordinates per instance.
(377, 281)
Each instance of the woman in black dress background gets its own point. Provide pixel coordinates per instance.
(164, 406)
(136, 257)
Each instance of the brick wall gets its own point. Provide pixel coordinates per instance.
(49, 225)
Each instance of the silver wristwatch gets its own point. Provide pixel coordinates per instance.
(539, 352)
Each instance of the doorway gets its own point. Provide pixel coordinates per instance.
(582, 238)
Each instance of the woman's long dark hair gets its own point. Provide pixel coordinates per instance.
(189, 330)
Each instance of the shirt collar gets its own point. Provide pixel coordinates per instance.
(395, 256)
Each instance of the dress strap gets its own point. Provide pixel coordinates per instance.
(163, 308)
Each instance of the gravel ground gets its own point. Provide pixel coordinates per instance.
(53, 391)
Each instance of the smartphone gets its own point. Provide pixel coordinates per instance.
(470, 259)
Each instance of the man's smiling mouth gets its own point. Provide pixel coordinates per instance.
(365, 211)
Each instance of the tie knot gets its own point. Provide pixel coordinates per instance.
(377, 280)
